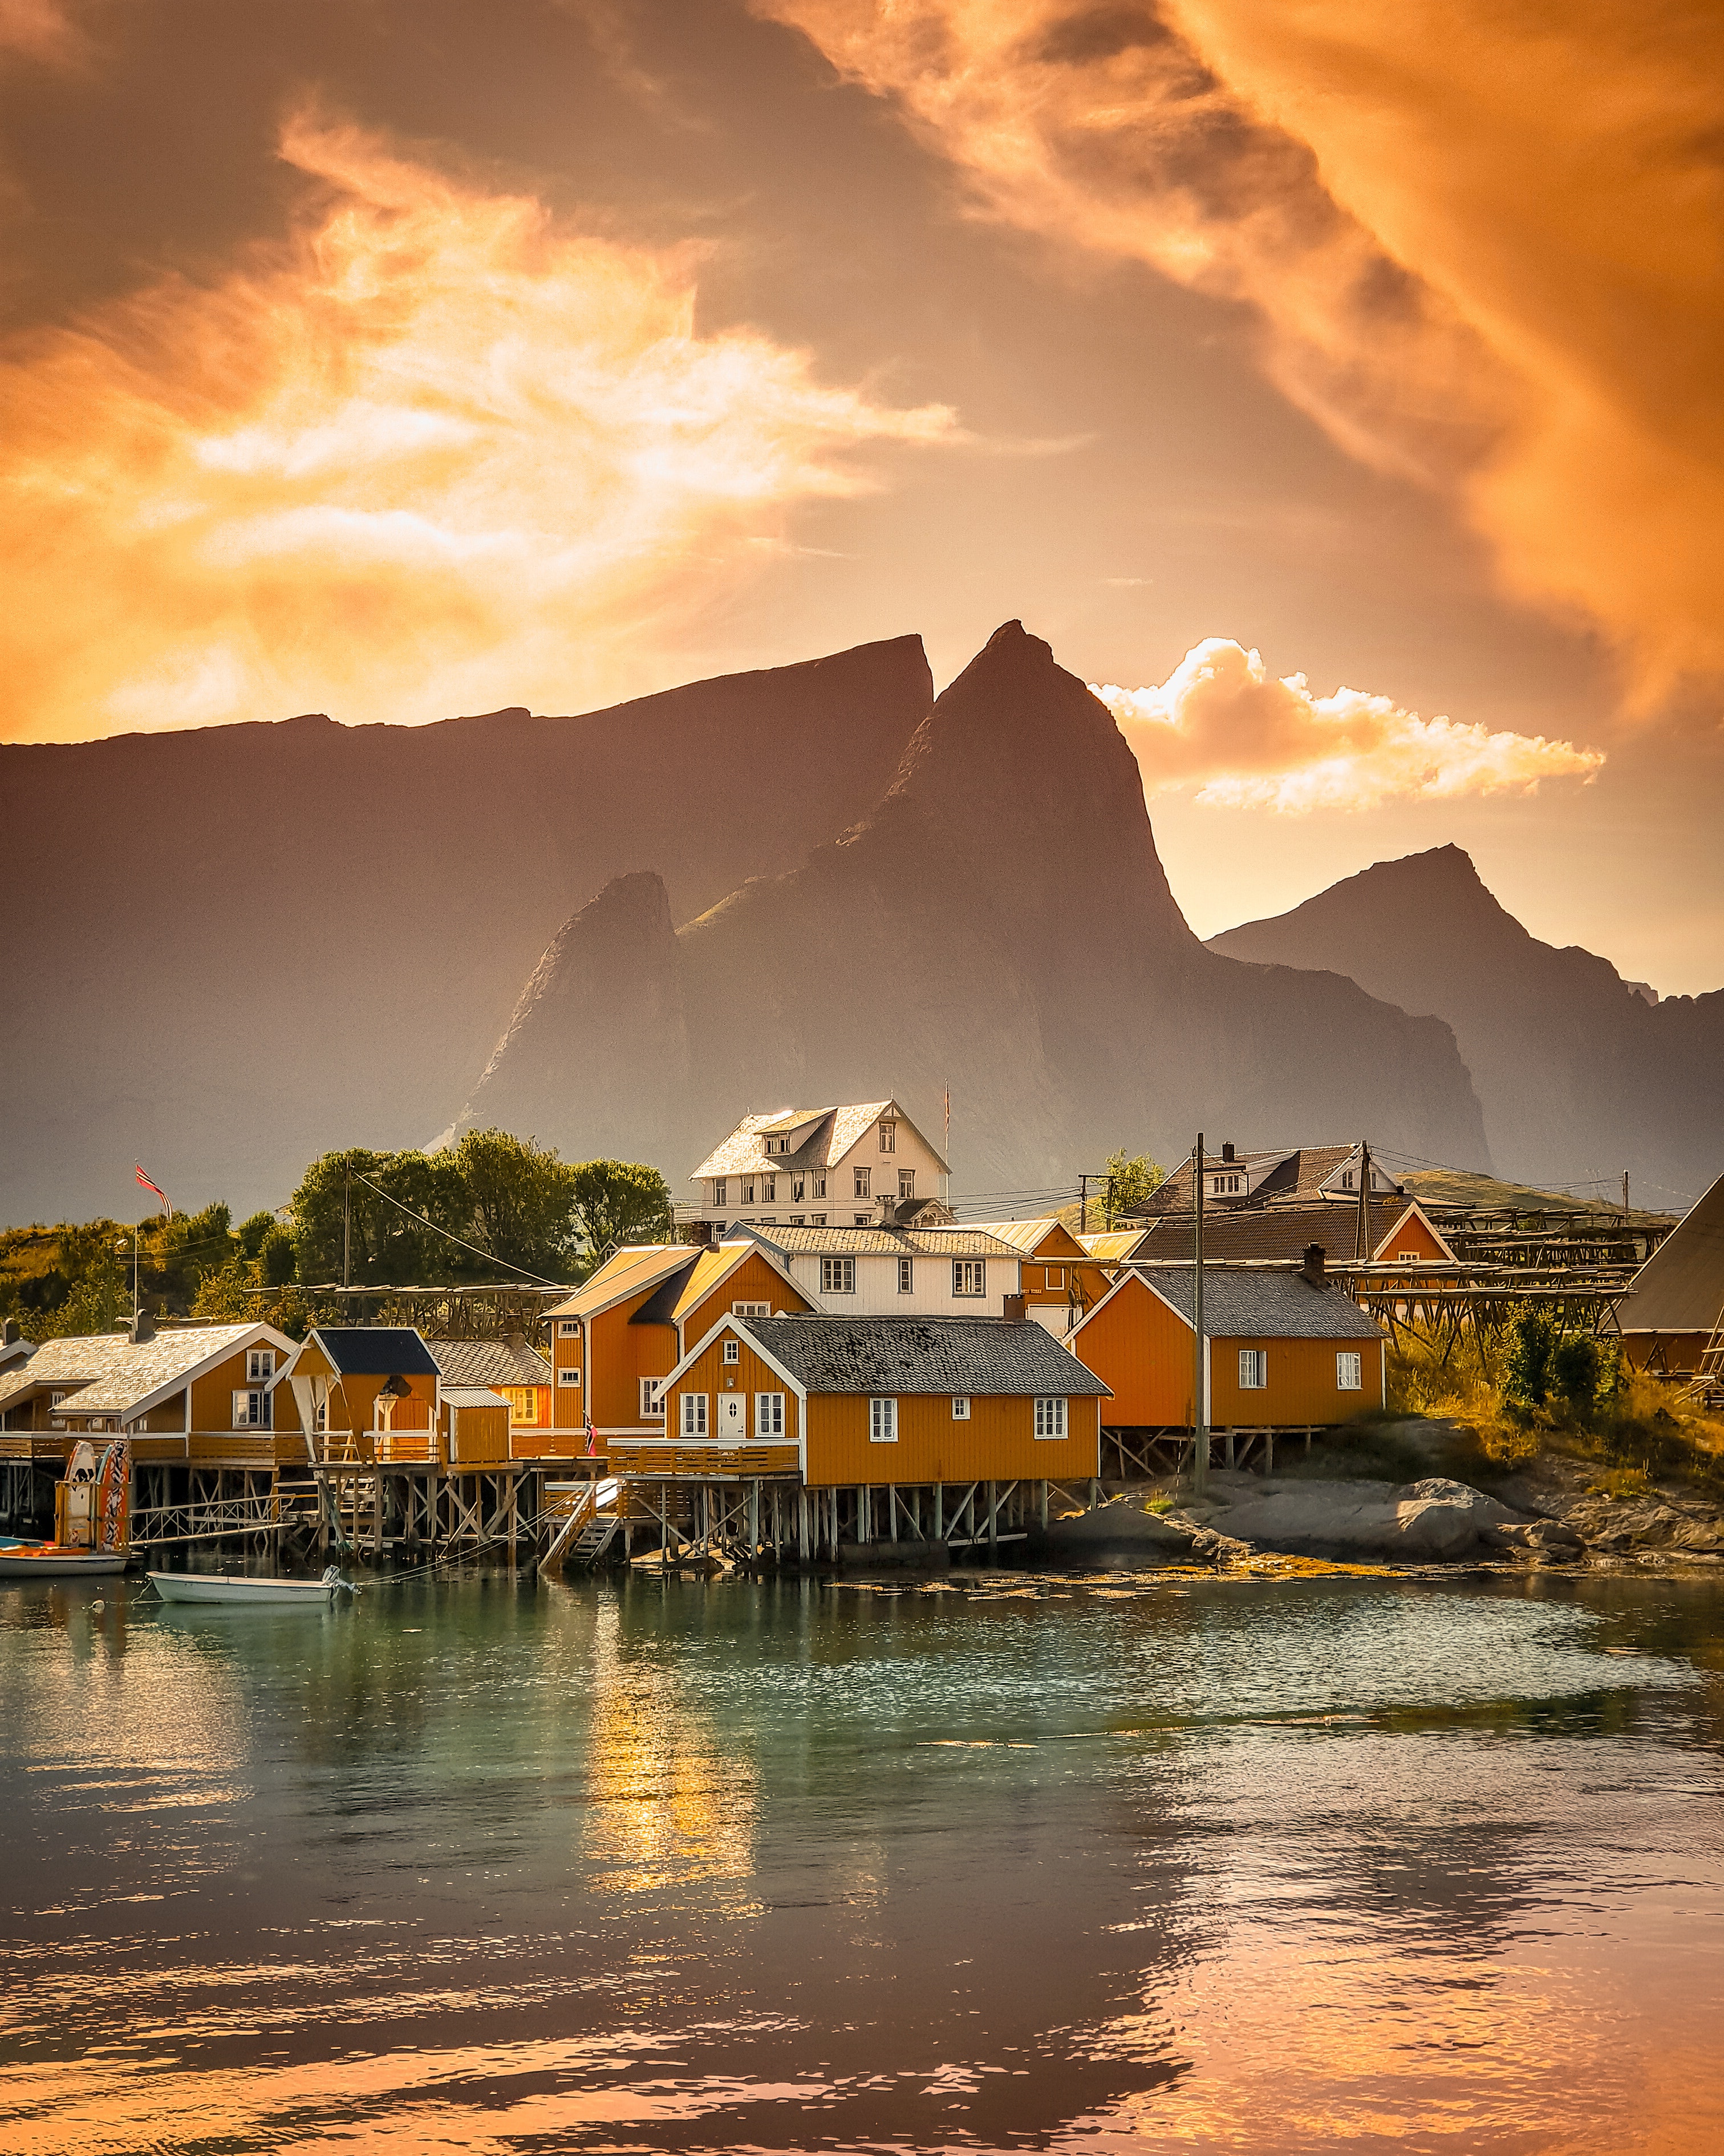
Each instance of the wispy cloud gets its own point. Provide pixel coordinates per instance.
(437, 452)
(1221, 723)
(1482, 242)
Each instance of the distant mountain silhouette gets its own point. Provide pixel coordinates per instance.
(1000, 921)
(1580, 1075)
(228, 950)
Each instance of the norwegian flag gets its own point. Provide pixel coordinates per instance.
(144, 1179)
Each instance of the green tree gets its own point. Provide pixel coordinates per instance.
(1532, 1346)
(1131, 1178)
(617, 1201)
(1575, 1365)
(344, 1203)
(522, 1202)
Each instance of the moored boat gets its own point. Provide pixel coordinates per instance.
(56, 1561)
(245, 1587)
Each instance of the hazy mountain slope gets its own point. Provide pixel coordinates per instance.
(227, 950)
(1579, 1076)
(1001, 923)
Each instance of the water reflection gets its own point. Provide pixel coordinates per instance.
(1005, 1863)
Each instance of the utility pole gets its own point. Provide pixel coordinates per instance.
(1200, 1405)
(1627, 1227)
(1361, 1236)
(347, 1223)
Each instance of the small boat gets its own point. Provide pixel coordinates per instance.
(56, 1561)
(246, 1587)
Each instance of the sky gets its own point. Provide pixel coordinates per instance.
(1336, 388)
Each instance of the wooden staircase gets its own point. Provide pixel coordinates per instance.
(586, 1533)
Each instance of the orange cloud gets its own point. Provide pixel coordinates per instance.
(1222, 721)
(40, 30)
(1484, 242)
(439, 453)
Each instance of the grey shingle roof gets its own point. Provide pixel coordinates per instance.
(488, 1363)
(1680, 1287)
(978, 1355)
(879, 1242)
(1270, 1304)
(1274, 1231)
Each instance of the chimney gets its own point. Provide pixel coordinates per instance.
(700, 1233)
(142, 1328)
(517, 1340)
(1312, 1269)
(12, 1335)
(1227, 1151)
(1016, 1310)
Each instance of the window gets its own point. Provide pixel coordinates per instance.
(888, 1135)
(798, 1220)
(1054, 1276)
(797, 1182)
(251, 1410)
(968, 1277)
(769, 1414)
(694, 1415)
(838, 1276)
(568, 1328)
(816, 1220)
(523, 1402)
(907, 1276)
(55, 1398)
(960, 1407)
(652, 1408)
(864, 1177)
(747, 1196)
(859, 1219)
(769, 1190)
(720, 1190)
(1349, 1373)
(907, 1182)
(1347, 1181)
(751, 1310)
(1253, 1369)
(819, 1188)
(883, 1422)
(1224, 1186)
(1407, 1257)
(733, 1351)
(570, 1376)
(1050, 1418)
(260, 1365)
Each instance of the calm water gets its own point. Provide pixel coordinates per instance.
(1099, 1864)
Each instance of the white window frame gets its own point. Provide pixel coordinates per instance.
(720, 1190)
(1253, 1369)
(838, 1276)
(769, 1190)
(260, 1365)
(963, 1269)
(1054, 1276)
(569, 1374)
(255, 1413)
(819, 1189)
(751, 1310)
(693, 1422)
(818, 1220)
(652, 1408)
(888, 1134)
(960, 1407)
(1410, 1257)
(769, 1414)
(883, 1422)
(907, 1276)
(796, 1184)
(568, 1328)
(744, 1195)
(1050, 1418)
(1349, 1371)
(864, 1182)
(733, 1351)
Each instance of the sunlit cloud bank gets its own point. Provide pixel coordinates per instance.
(1482, 243)
(437, 452)
(1221, 723)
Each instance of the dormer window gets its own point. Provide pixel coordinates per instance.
(888, 1135)
(1347, 1181)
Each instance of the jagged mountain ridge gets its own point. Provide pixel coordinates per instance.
(1579, 1076)
(229, 949)
(1001, 923)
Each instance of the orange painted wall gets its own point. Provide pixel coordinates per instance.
(1059, 1249)
(619, 1356)
(997, 1443)
(1137, 1346)
(1413, 1234)
(1302, 1385)
(352, 1399)
(710, 1374)
(754, 1280)
(1663, 1351)
(213, 1396)
(567, 1408)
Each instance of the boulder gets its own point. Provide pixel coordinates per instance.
(1117, 1529)
(1433, 1519)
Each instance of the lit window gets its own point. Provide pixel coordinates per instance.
(733, 1351)
(968, 1277)
(907, 1276)
(568, 1377)
(960, 1407)
(1253, 1369)
(652, 1408)
(883, 1422)
(523, 1402)
(694, 1414)
(863, 1183)
(838, 1276)
(1050, 1418)
(888, 1136)
(1349, 1373)
(769, 1414)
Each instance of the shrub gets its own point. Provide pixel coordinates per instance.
(1575, 1365)
(1532, 1347)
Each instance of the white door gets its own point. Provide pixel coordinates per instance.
(732, 1417)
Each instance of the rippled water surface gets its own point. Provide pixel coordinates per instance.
(1105, 1864)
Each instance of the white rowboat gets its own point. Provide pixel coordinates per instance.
(240, 1587)
(45, 1562)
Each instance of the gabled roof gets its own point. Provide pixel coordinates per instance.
(1028, 1236)
(716, 1266)
(625, 1272)
(111, 1373)
(1281, 1231)
(472, 1396)
(835, 1132)
(978, 1355)
(879, 1242)
(1680, 1287)
(468, 1362)
(1114, 1247)
(1296, 1175)
(376, 1350)
(1269, 1304)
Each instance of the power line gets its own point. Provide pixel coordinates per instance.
(490, 1256)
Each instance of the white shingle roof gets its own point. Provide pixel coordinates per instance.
(744, 1151)
(107, 1374)
(878, 1242)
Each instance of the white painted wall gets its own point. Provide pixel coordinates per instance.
(931, 1294)
(840, 1205)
